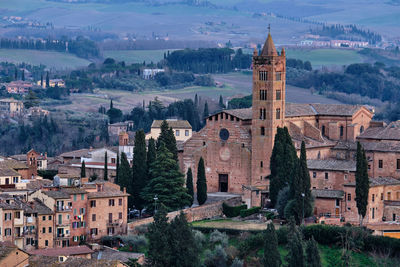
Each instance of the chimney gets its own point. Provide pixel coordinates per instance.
(45, 155)
(124, 190)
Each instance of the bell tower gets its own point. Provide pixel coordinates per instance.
(269, 79)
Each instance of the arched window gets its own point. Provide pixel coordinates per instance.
(361, 129)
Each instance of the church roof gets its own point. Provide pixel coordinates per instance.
(242, 113)
(390, 132)
(326, 193)
(269, 47)
(331, 164)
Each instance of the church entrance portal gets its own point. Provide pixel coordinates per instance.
(223, 182)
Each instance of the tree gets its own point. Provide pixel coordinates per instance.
(295, 257)
(201, 183)
(31, 100)
(105, 177)
(168, 138)
(23, 75)
(272, 257)
(139, 169)
(159, 252)
(115, 115)
(151, 152)
(167, 182)
(183, 245)
(221, 102)
(362, 182)
(41, 79)
(16, 74)
(47, 80)
(83, 170)
(189, 184)
(196, 101)
(117, 169)
(111, 104)
(312, 254)
(206, 113)
(124, 173)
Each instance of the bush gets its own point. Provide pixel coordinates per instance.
(228, 231)
(230, 211)
(135, 242)
(199, 238)
(248, 212)
(218, 237)
(237, 263)
(253, 243)
(270, 215)
(216, 258)
(282, 234)
(110, 241)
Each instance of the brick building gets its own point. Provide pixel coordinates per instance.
(237, 144)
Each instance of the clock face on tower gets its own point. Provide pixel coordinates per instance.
(224, 134)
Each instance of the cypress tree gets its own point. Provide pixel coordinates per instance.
(47, 80)
(139, 169)
(196, 101)
(183, 245)
(83, 170)
(151, 153)
(206, 113)
(189, 184)
(111, 104)
(23, 75)
(16, 74)
(41, 79)
(201, 183)
(362, 182)
(117, 169)
(167, 182)
(125, 175)
(312, 254)
(168, 138)
(105, 177)
(221, 102)
(272, 257)
(295, 257)
(159, 252)
(305, 177)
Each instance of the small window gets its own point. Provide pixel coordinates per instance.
(263, 75)
(326, 176)
(50, 230)
(50, 218)
(398, 164)
(232, 118)
(44, 230)
(314, 174)
(177, 132)
(93, 217)
(120, 215)
(17, 215)
(345, 176)
(361, 129)
(341, 131)
(263, 94)
(337, 202)
(380, 164)
(74, 197)
(113, 160)
(262, 131)
(348, 197)
(111, 202)
(46, 243)
(216, 117)
(210, 118)
(186, 132)
(278, 113)
(373, 198)
(381, 196)
(120, 201)
(43, 218)
(278, 94)
(261, 164)
(389, 196)
(323, 129)
(93, 203)
(82, 196)
(226, 116)
(278, 76)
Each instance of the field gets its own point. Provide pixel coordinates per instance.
(54, 60)
(231, 224)
(326, 57)
(136, 56)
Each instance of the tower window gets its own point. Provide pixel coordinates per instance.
(341, 131)
(262, 114)
(278, 94)
(278, 113)
(261, 164)
(278, 76)
(323, 129)
(380, 164)
(398, 164)
(263, 75)
(263, 94)
(262, 131)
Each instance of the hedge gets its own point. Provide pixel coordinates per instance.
(230, 211)
(248, 212)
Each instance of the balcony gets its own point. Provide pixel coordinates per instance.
(63, 208)
(114, 222)
(62, 236)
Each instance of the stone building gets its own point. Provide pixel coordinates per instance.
(182, 129)
(11, 107)
(237, 144)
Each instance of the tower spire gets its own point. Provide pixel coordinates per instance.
(269, 47)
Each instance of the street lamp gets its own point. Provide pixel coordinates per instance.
(302, 218)
(155, 203)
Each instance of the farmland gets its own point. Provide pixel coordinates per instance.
(54, 60)
(136, 56)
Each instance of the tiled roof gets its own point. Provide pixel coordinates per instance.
(295, 110)
(335, 109)
(331, 164)
(4, 171)
(112, 254)
(40, 208)
(383, 181)
(370, 146)
(13, 164)
(76, 153)
(242, 113)
(325, 193)
(389, 132)
(73, 190)
(39, 261)
(65, 251)
(172, 123)
(107, 193)
(56, 194)
(36, 184)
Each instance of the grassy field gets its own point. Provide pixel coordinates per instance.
(55, 60)
(136, 56)
(230, 224)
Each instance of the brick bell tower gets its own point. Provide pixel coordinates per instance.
(269, 78)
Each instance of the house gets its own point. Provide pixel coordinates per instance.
(151, 73)
(12, 256)
(64, 253)
(22, 168)
(52, 83)
(182, 129)
(34, 157)
(119, 127)
(9, 178)
(11, 107)
(37, 112)
(18, 87)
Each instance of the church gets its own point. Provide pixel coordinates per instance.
(236, 144)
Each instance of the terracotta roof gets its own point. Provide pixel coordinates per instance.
(40, 208)
(242, 113)
(4, 171)
(65, 251)
(389, 132)
(56, 194)
(335, 109)
(76, 153)
(73, 190)
(331, 164)
(269, 47)
(383, 181)
(172, 123)
(68, 175)
(325, 193)
(370, 146)
(39, 261)
(295, 110)
(107, 193)
(13, 164)
(112, 254)
(36, 184)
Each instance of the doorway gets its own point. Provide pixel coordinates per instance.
(223, 182)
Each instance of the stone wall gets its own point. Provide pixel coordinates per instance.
(192, 214)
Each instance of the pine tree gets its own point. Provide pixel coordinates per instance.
(139, 169)
(167, 182)
(362, 182)
(125, 174)
(159, 251)
(105, 177)
(201, 183)
(189, 184)
(312, 254)
(221, 102)
(272, 257)
(183, 245)
(83, 170)
(117, 169)
(47, 80)
(295, 257)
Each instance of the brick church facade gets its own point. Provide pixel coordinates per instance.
(237, 144)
